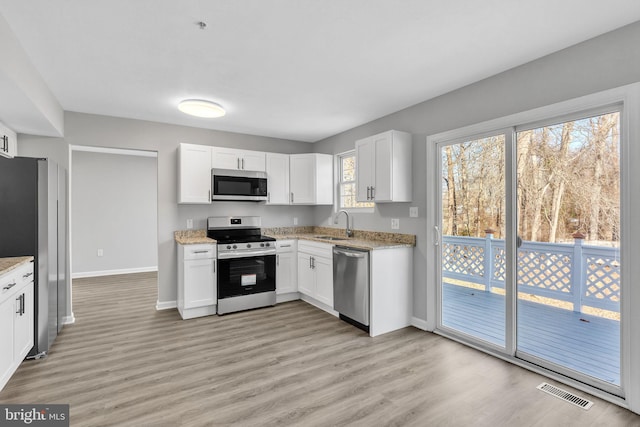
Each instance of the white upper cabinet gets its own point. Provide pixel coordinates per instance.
(194, 174)
(277, 179)
(311, 179)
(8, 142)
(230, 158)
(383, 168)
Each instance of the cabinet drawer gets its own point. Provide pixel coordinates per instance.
(11, 282)
(199, 251)
(316, 248)
(284, 246)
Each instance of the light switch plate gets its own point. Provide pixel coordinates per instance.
(395, 223)
(413, 212)
(189, 224)
(100, 252)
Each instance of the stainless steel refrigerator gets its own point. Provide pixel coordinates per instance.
(33, 222)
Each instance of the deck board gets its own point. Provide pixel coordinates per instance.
(578, 341)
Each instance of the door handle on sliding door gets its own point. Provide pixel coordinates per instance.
(436, 236)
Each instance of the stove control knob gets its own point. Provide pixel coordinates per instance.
(228, 246)
(267, 244)
(248, 245)
(235, 247)
(262, 245)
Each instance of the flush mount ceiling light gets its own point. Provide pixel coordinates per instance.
(201, 108)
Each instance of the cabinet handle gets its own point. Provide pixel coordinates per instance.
(6, 288)
(214, 266)
(242, 164)
(27, 275)
(313, 262)
(200, 252)
(373, 193)
(238, 160)
(291, 197)
(368, 193)
(285, 246)
(310, 263)
(20, 300)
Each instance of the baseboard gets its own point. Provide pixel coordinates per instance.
(166, 305)
(419, 323)
(69, 320)
(84, 274)
(292, 296)
(320, 305)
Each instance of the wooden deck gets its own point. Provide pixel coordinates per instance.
(578, 341)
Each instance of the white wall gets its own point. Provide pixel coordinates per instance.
(605, 62)
(113, 208)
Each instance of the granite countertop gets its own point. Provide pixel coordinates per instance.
(192, 237)
(11, 263)
(361, 239)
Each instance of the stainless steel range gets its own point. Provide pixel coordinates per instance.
(246, 263)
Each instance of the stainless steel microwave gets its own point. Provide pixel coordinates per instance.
(230, 184)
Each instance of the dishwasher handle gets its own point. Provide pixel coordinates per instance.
(349, 254)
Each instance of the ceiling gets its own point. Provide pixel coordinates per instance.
(293, 69)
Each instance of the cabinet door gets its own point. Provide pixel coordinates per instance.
(302, 180)
(306, 276)
(286, 273)
(383, 167)
(23, 323)
(194, 174)
(277, 179)
(6, 340)
(253, 161)
(323, 268)
(225, 158)
(365, 151)
(199, 283)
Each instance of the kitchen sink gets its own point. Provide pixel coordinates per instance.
(330, 238)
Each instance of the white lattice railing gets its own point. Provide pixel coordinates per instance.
(580, 274)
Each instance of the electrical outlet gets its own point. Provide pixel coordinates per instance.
(189, 224)
(395, 223)
(100, 252)
(295, 221)
(413, 212)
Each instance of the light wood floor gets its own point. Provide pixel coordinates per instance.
(124, 363)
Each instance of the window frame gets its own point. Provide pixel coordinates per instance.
(339, 183)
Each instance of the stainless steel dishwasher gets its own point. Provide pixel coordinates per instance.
(351, 285)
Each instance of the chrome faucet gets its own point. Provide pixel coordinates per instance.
(348, 231)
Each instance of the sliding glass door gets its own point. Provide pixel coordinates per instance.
(529, 244)
(568, 265)
(473, 222)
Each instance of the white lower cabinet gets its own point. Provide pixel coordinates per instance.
(16, 319)
(286, 269)
(315, 271)
(197, 290)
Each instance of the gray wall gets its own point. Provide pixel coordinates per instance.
(608, 61)
(605, 62)
(114, 208)
(104, 131)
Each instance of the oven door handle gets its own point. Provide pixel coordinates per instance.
(246, 254)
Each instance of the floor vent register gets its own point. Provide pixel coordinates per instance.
(566, 396)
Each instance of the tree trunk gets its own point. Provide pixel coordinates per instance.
(559, 180)
(452, 219)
